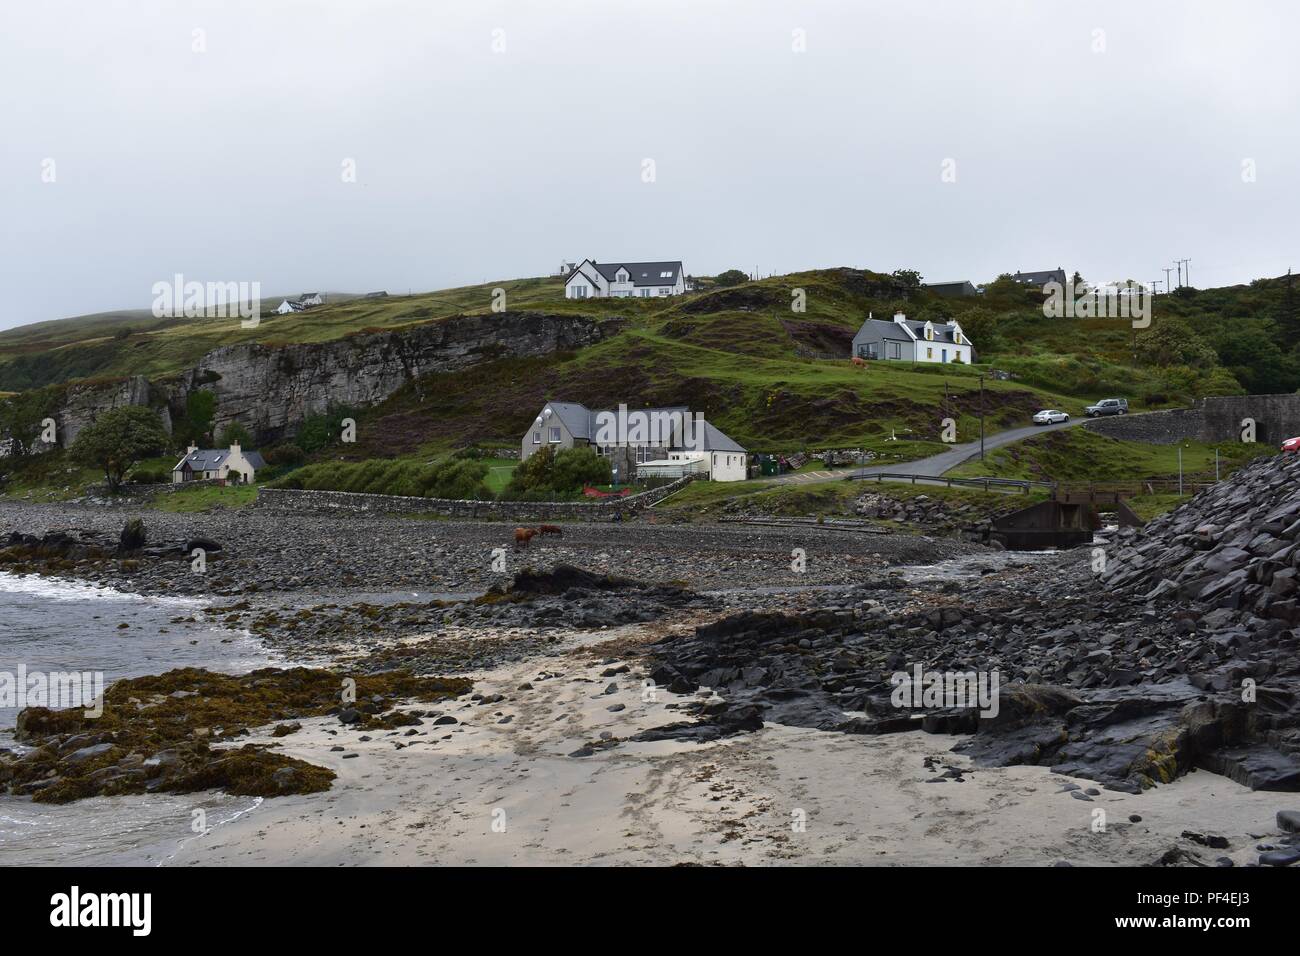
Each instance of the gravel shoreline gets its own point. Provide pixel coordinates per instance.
(332, 555)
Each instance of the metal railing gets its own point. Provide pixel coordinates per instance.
(987, 484)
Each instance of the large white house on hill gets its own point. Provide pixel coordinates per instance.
(910, 341)
(646, 442)
(600, 280)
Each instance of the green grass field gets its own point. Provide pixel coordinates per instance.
(499, 472)
(709, 500)
(205, 498)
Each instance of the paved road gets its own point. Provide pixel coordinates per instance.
(935, 465)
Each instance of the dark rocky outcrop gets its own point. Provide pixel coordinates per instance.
(1185, 654)
(271, 388)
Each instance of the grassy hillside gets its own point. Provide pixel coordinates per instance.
(1076, 454)
(740, 355)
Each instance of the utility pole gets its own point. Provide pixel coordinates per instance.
(1167, 271)
(1155, 287)
(1187, 270)
(981, 416)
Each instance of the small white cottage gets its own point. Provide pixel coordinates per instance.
(231, 464)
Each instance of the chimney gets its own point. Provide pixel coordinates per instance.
(900, 318)
(192, 449)
(234, 448)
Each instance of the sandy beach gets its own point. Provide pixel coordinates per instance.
(499, 788)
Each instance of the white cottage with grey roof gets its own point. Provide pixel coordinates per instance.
(904, 340)
(231, 464)
(590, 279)
(667, 442)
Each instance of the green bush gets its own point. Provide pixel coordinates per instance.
(150, 476)
(284, 455)
(546, 476)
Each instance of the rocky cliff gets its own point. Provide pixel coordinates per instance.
(270, 389)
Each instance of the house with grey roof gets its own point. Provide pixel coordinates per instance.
(952, 290)
(590, 279)
(663, 442)
(231, 464)
(907, 340)
(289, 305)
(1040, 279)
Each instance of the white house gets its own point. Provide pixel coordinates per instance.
(595, 280)
(659, 442)
(308, 299)
(231, 464)
(911, 341)
(286, 307)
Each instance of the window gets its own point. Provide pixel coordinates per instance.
(537, 438)
(665, 275)
(645, 293)
(895, 350)
(555, 435)
(579, 291)
(867, 351)
(929, 353)
(945, 355)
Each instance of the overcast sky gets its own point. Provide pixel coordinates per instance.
(494, 139)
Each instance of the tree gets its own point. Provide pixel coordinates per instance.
(729, 278)
(1171, 342)
(234, 434)
(200, 409)
(117, 439)
(908, 279)
(980, 325)
(22, 419)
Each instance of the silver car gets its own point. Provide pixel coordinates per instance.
(1050, 416)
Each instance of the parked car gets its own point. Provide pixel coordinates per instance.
(1108, 406)
(1291, 444)
(1050, 416)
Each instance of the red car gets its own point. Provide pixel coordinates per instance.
(1291, 444)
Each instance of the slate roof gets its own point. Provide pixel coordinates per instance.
(582, 423)
(880, 329)
(715, 440)
(211, 459)
(642, 273)
(1041, 278)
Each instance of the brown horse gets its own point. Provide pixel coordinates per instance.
(858, 362)
(523, 536)
(550, 529)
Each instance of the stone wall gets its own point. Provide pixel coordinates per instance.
(348, 502)
(1214, 419)
(147, 492)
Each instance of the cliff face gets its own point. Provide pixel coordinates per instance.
(83, 402)
(270, 389)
